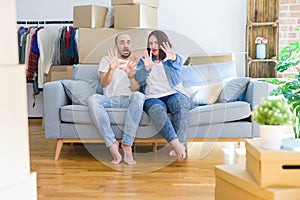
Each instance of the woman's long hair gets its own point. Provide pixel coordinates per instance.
(161, 37)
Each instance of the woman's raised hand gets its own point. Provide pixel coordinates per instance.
(169, 51)
(147, 59)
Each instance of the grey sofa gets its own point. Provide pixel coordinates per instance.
(67, 122)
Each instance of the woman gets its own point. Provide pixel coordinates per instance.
(158, 73)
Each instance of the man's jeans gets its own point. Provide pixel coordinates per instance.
(134, 103)
(179, 106)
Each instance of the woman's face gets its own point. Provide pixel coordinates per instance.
(153, 45)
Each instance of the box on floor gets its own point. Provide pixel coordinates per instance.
(89, 16)
(135, 16)
(272, 168)
(234, 182)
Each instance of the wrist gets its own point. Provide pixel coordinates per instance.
(131, 76)
(174, 58)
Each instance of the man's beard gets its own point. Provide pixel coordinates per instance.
(126, 56)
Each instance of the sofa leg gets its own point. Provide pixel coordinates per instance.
(154, 146)
(59, 145)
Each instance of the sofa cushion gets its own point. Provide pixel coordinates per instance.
(215, 113)
(88, 73)
(233, 89)
(219, 113)
(78, 91)
(207, 94)
(80, 114)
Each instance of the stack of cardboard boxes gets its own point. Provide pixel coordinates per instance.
(266, 175)
(130, 16)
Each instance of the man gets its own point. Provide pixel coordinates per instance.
(116, 73)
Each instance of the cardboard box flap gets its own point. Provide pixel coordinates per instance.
(237, 175)
(151, 3)
(253, 147)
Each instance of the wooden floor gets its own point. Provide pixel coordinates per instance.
(81, 173)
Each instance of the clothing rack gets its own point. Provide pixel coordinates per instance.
(45, 22)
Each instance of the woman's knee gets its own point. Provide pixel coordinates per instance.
(179, 103)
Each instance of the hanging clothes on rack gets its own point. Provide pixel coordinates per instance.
(42, 47)
(46, 38)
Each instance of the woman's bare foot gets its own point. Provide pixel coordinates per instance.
(179, 150)
(114, 150)
(128, 157)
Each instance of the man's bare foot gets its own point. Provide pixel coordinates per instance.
(179, 150)
(114, 150)
(128, 157)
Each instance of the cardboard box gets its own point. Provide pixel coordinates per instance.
(135, 16)
(210, 58)
(59, 72)
(89, 16)
(272, 168)
(233, 182)
(93, 44)
(151, 3)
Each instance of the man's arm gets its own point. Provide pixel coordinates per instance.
(106, 77)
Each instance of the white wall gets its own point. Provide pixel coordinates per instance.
(17, 182)
(217, 26)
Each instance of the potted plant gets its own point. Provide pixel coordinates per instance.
(271, 115)
(289, 87)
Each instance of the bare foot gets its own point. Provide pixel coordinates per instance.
(179, 150)
(114, 150)
(128, 157)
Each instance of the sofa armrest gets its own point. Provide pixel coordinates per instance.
(54, 98)
(256, 92)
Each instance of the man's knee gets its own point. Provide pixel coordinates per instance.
(138, 97)
(92, 100)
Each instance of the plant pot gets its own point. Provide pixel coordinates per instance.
(260, 51)
(271, 136)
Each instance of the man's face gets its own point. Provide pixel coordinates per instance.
(124, 45)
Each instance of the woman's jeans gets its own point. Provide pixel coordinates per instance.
(178, 105)
(134, 103)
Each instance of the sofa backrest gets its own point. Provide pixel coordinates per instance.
(206, 74)
(192, 75)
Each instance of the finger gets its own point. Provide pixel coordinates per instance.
(151, 54)
(109, 54)
(146, 54)
(116, 53)
(124, 69)
(163, 48)
(165, 45)
(129, 59)
(168, 45)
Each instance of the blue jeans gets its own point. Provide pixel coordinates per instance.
(134, 103)
(178, 105)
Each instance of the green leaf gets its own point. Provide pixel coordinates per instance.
(274, 81)
(288, 57)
